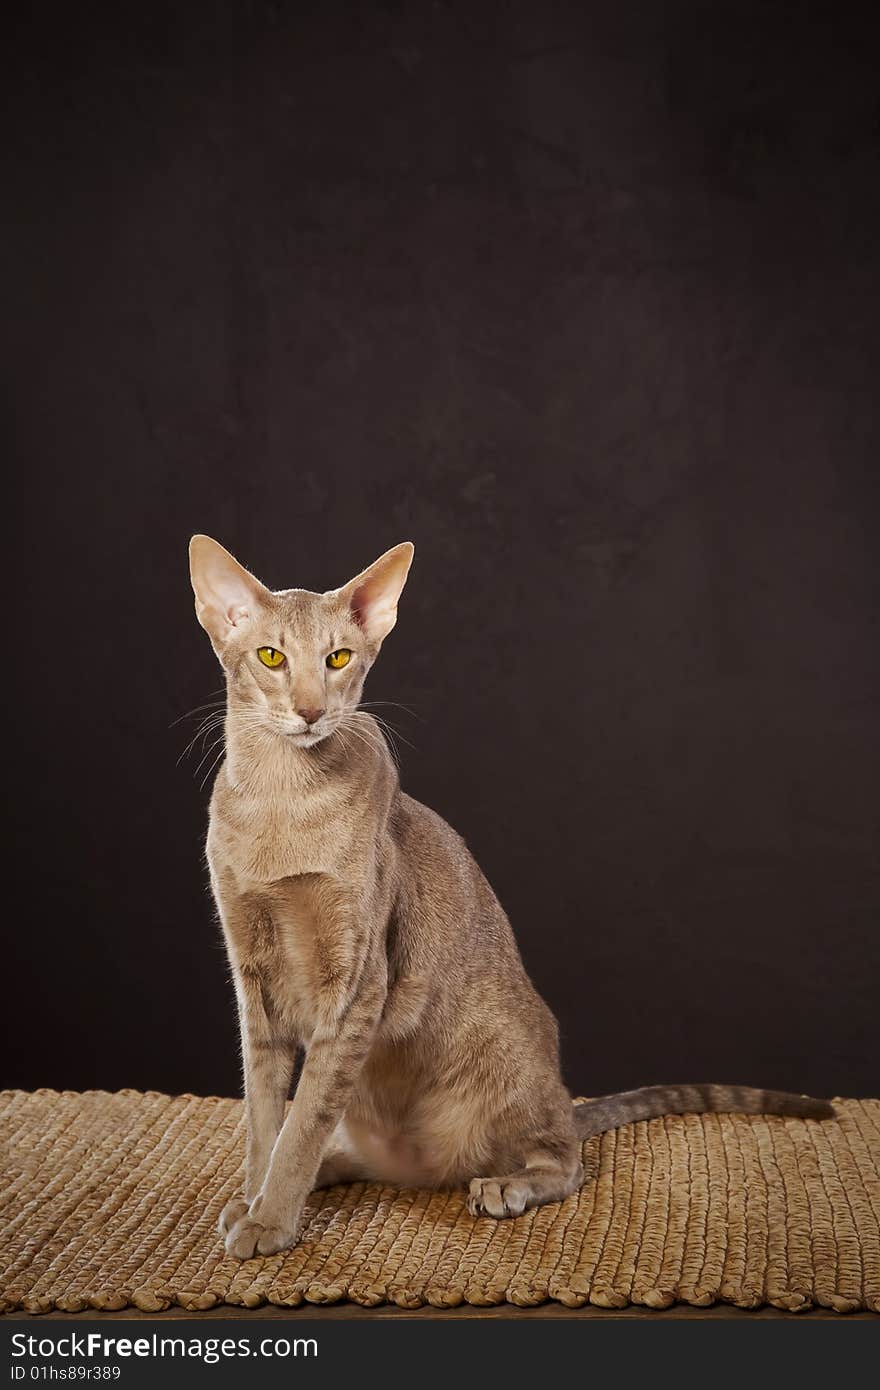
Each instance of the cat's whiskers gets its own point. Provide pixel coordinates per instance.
(210, 750)
(213, 765)
(345, 722)
(392, 733)
(342, 739)
(371, 704)
(210, 704)
(207, 727)
(373, 732)
(364, 733)
(216, 715)
(244, 722)
(216, 719)
(391, 729)
(211, 719)
(366, 707)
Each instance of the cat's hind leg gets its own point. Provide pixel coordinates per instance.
(340, 1166)
(342, 1161)
(545, 1177)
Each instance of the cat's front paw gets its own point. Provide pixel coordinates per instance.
(249, 1237)
(231, 1213)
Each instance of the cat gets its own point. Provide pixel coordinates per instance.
(360, 929)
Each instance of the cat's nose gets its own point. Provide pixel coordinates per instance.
(311, 716)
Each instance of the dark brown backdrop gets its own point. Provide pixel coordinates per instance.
(583, 299)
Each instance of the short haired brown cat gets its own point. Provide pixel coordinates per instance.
(360, 929)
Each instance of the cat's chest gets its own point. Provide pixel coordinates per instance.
(262, 838)
(285, 935)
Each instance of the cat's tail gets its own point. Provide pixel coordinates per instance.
(609, 1112)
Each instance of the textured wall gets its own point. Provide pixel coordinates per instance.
(582, 299)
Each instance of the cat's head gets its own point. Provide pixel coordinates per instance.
(295, 661)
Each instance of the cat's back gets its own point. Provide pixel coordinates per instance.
(442, 889)
(426, 837)
(452, 954)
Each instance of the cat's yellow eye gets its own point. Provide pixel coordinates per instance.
(336, 660)
(270, 657)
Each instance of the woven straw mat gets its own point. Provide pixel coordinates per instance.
(109, 1200)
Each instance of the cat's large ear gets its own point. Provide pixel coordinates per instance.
(373, 595)
(227, 596)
